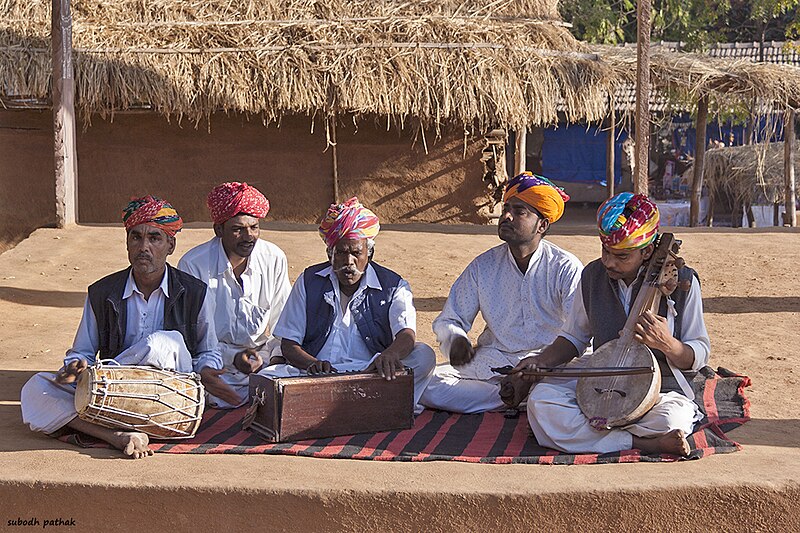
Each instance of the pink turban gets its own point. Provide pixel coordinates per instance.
(153, 212)
(349, 220)
(229, 199)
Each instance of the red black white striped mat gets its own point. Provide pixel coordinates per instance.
(482, 438)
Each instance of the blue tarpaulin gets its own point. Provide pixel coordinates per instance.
(576, 154)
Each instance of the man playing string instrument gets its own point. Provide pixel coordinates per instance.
(677, 335)
(147, 314)
(248, 286)
(350, 313)
(523, 288)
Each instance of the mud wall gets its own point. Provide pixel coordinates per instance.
(27, 187)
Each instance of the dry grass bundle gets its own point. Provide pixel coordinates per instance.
(477, 63)
(751, 173)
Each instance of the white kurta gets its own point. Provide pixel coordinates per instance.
(48, 406)
(345, 348)
(558, 422)
(524, 312)
(244, 314)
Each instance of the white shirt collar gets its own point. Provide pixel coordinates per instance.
(130, 285)
(532, 261)
(223, 264)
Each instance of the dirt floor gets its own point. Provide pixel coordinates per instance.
(751, 291)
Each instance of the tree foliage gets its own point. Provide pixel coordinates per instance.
(698, 23)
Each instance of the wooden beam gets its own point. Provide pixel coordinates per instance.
(699, 161)
(66, 160)
(520, 152)
(642, 138)
(334, 159)
(610, 144)
(790, 217)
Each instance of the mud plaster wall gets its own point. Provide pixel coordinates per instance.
(137, 154)
(27, 187)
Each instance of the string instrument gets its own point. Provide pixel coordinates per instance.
(617, 400)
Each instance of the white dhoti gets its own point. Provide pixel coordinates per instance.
(470, 388)
(558, 422)
(48, 406)
(421, 360)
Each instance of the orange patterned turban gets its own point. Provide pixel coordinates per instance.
(153, 212)
(538, 192)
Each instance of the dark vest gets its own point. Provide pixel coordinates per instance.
(181, 309)
(607, 315)
(370, 312)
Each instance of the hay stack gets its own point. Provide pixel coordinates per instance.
(503, 63)
(750, 174)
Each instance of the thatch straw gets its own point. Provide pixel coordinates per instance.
(503, 63)
(750, 174)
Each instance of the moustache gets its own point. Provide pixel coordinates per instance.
(348, 270)
(146, 257)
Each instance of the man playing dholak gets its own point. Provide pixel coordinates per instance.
(149, 314)
(523, 288)
(351, 314)
(628, 228)
(248, 285)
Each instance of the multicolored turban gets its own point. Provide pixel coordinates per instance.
(628, 221)
(229, 199)
(153, 212)
(538, 192)
(349, 220)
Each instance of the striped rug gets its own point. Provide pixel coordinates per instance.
(483, 438)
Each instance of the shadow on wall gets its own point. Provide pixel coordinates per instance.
(751, 304)
(41, 298)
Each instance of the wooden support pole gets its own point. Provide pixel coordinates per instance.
(610, 153)
(520, 152)
(790, 196)
(335, 159)
(699, 161)
(642, 140)
(63, 93)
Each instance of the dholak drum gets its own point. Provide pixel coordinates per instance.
(161, 403)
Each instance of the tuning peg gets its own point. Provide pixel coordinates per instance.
(685, 285)
(679, 262)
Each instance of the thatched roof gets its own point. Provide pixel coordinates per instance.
(498, 63)
(748, 173)
(685, 77)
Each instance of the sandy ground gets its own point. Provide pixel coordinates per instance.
(751, 292)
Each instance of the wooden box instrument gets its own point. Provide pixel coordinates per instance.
(329, 405)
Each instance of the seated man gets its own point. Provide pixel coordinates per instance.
(628, 228)
(523, 288)
(351, 313)
(148, 314)
(248, 286)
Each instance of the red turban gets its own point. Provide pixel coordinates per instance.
(153, 212)
(229, 199)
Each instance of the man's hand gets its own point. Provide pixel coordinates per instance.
(386, 364)
(216, 387)
(248, 361)
(320, 367)
(652, 331)
(70, 373)
(529, 364)
(461, 351)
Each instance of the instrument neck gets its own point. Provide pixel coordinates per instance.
(648, 298)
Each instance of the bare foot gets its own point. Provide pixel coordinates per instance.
(673, 443)
(134, 444)
(514, 390)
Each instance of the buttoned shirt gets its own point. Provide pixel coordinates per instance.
(143, 317)
(244, 314)
(344, 346)
(524, 311)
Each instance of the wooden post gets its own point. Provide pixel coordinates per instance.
(610, 153)
(640, 181)
(699, 161)
(790, 195)
(335, 160)
(63, 94)
(520, 155)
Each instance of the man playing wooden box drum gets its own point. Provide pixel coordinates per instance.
(628, 227)
(149, 314)
(350, 313)
(248, 285)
